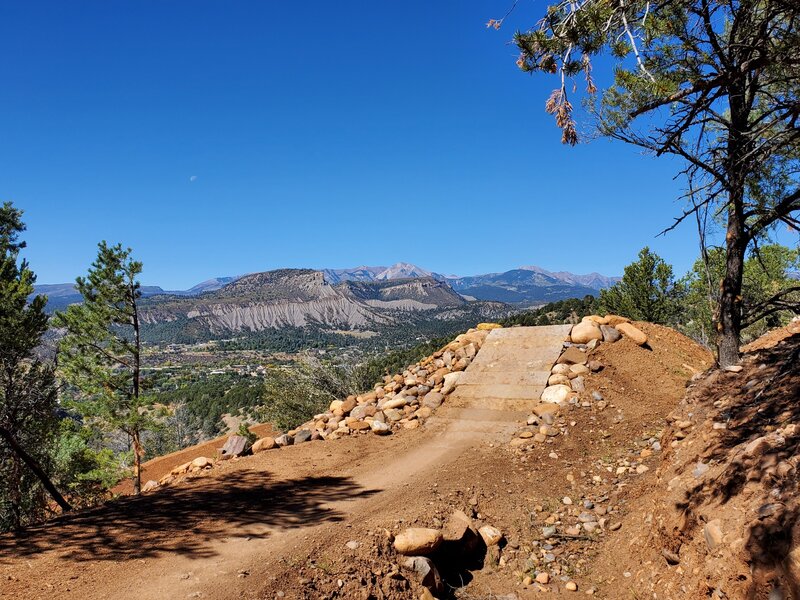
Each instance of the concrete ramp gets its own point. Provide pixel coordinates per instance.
(511, 369)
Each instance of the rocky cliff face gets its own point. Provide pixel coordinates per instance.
(298, 298)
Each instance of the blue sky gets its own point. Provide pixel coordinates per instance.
(219, 137)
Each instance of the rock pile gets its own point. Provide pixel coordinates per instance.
(567, 377)
(402, 401)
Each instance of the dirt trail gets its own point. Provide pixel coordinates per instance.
(216, 535)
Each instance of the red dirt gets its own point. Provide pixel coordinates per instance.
(279, 521)
(157, 468)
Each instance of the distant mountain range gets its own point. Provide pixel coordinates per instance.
(524, 286)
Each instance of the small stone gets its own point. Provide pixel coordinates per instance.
(595, 366)
(567, 500)
(712, 531)
(556, 394)
(352, 544)
(642, 469)
(543, 578)
(571, 586)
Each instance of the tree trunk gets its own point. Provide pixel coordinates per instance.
(137, 463)
(37, 470)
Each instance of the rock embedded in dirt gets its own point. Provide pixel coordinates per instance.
(201, 462)
(633, 333)
(572, 356)
(265, 443)
(433, 400)
(150, 486)
(610, 334)
(417, 541)
(712, 531)
(491, 535)
(236, 445)
(543, 578)
(556, 394)
(380, 428)
(558, 380)
(304, 435)
(571, 586)
(578, 384)
(450, 382)
(585, 332)
(424, 572)
(284, 440)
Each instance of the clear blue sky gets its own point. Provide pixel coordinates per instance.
(219, 137)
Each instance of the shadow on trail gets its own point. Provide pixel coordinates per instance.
(187, 520)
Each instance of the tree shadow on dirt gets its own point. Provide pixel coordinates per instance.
(188, 520)
(760, 400)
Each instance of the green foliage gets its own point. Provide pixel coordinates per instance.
(245, 432)
(100, 352)
(554, 313)
(648, 291)
(770, 295)
(27, 385)
(84, 468)
(292, 395)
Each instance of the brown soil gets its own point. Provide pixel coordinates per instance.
(276, 524)
(157, 468)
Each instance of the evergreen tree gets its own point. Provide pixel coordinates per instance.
(714, 83)
(647, 291)
(28, 422)
(100, 352)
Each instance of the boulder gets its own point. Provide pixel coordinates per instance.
(424, 572)
(363, 410)
(150, 486)
(610, 334)
(417, 541)
(348, 405)
(284, 440)
(201, 462)
(556, 394)
(491, 535)
(634, 334)
(585, 331)
(560, 369)
(615, 320)
(558, 380)
(237, 445)
(712, 531)
(458, 529)
(380, 428)
(450, 382)
(263, 444)
(396, 402)
(433, 400)
(572, 356)
(304, 435)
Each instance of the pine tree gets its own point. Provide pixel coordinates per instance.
(100, 352)
(28, 422)
(713, 83)
(647, 291)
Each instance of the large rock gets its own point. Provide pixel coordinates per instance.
(284, 440)
(433, 400)
(572, 356)
(150, 486)
(417, 541)
(558, 379)
(631, 332)
(396, 402)
(201, 462)
(237, 445)
(304, 435)
(265, 443)
(610, 334)
(451, 381)
(491, 535)
(423, 572)
(615, 320)
(585, 331)
(380, 428)
(556, 394)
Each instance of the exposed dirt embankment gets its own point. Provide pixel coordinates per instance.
(722, 517)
